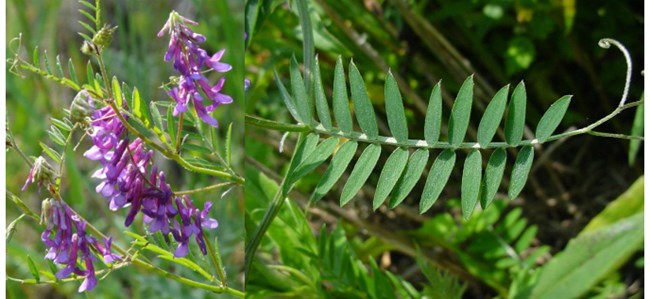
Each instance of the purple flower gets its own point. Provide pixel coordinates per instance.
(70, 243)
(189, 59)
(130, 179)
(192, 222)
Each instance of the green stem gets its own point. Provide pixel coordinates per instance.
(415, 143)
(202, 189)
(270, 214)
(215, 256)
(65, 149)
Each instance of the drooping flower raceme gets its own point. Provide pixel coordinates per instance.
(189, 60)
(130, 179)
(69, 245)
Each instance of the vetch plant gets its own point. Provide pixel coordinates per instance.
(127, 142)
(341, 139)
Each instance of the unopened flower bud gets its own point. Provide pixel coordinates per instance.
(88, 48)
(40, 173)
(81, 107)
(104, 36)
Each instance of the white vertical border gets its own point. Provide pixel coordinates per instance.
(3, 115)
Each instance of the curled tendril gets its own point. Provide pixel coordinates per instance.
(605, 43)
(16, 53)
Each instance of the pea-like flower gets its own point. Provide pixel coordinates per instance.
(69, 245)
(189, 59)
(130, 179)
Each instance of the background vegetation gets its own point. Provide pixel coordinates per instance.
(551, 45)
(135, 57)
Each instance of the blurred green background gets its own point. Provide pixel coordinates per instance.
(135, 57)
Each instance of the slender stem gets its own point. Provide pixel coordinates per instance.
(415, 143)
(202, 189)
(17, 148)
(213, 252)
(619, 136)
(270, 214)
(178, 134)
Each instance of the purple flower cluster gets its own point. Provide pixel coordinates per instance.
(130, 179)
(67, 242)
(188, 59)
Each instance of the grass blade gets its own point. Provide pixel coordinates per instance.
(302, 100)
(460, 112)
(395, 109)
(437, 179)
(492, 117)
(363, 109)
(516, 119)
(337, 166)
(637, 130)
(228, 145)
(552, 118)
(322, 108)
(360, 173)
(493, 176)
(340, 99)
(471, 183)
(389, 175)
(409, 178)
(520, 171)
(433, 119)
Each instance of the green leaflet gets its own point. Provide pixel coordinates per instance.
(322, 108)
(90, 73)
(340, 99)
(315, 158)
(433, 119)
(360, 172)
(460, 112)
(51, 152)
(73, 72)
(363, 109)
(300, 96)
(552, 118)
(516, 119)
(389, 175)
(493, 176)
(59, 67)
(304, 149)
(288, 101)
(228, 145)
(337, 166)
(492, 117)
(437, 179)
(395, 110)
(520, 171)
(33, 269)
(409, 178)
(471, 183)
(117, 92)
